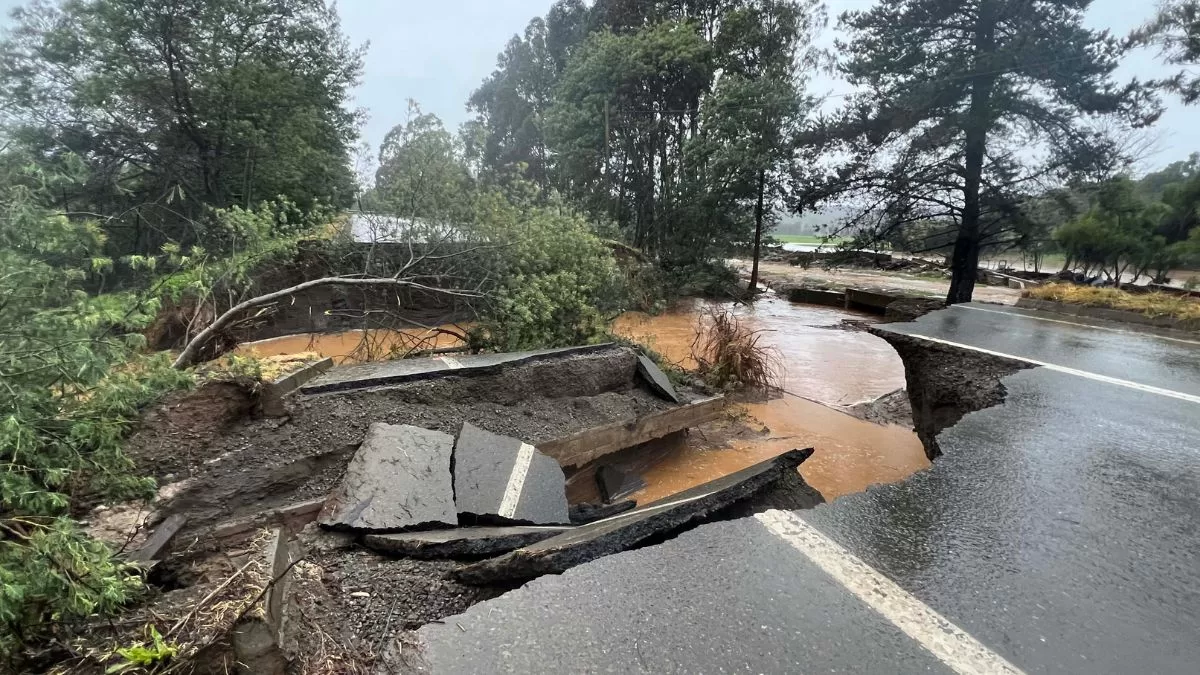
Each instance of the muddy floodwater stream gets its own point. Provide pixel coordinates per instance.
(822, 367)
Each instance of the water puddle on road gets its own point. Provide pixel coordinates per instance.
(822, 363)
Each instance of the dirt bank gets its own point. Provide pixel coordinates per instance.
(945, 383)
(243, 466)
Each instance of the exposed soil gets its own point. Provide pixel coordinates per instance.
(894, 408)
(175, 437)
(781, 273)
(234, 469)
(945, 383)
(346, 604)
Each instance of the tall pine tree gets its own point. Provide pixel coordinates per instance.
(964, 102)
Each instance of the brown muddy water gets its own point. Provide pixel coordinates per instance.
(823, 366)
(354, 346)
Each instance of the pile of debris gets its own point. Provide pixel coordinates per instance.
(387, 496)
(468, 518)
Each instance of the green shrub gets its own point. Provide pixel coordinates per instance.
(72, 384)
(556, 282)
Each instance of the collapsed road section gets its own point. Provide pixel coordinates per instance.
(402, 493)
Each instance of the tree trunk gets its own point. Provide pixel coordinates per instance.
(964, 265)
(187, 357)
(758, 223)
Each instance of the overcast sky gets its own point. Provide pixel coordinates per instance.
(438, 51)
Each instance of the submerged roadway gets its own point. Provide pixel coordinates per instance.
(1058, 533)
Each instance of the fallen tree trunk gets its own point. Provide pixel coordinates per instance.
(187, 357)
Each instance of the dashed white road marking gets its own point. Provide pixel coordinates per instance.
(1191, 398)
(516, 482)
(451, 362)
(1077, 324)
(949, 643)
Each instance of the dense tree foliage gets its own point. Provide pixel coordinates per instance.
(667, 118)
(965, 105)
(178, 107)
(1175, 32)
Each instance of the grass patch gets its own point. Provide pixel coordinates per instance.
(730, 356)
(1150, 304)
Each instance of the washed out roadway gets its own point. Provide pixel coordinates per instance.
(1057, 534)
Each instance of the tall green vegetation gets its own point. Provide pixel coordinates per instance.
(669, 119)
(175, 108)
(141, 139)
(1175, 32)
(72, 381)
(964, 105)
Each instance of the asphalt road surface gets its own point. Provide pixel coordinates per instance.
(1059, 533)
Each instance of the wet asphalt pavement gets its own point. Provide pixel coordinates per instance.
(1060, 529)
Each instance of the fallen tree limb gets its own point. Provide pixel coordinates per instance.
(187, 357)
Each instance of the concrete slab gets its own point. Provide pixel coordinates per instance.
(659, 382)
(628, 530)
(499, 479)
(463, 542)
(367, 375)
(587, 445)
(398, 480)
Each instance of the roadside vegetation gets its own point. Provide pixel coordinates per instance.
(1151, 304)
(173, 173)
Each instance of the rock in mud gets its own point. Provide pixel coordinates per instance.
(641, 526)
(398, 480)
(499, 479)
(463, 542)
(659, 382)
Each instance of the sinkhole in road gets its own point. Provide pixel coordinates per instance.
(824, 368)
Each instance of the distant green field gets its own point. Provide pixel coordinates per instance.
(807, 239)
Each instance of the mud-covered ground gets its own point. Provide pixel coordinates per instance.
(223, 463)
(782, 273)
(892, 408)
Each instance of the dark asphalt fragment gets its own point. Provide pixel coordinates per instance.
(398, 480)
(649, 524)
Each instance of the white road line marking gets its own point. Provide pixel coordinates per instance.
(949, 643)
(1076, 323)
(451, 362)
(1191, 398)
(516, 481)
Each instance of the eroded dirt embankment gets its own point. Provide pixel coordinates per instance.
(233, 465)
(945, 383)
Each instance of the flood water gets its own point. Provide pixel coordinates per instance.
(822, 365)
(354, 346)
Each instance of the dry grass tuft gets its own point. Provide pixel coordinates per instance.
(729, 355)
(1150, 304)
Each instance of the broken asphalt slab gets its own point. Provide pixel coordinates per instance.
(659, 382)
(499, 479)
(366, 375)
(398, 480)
(463, 542)
(644, 525)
